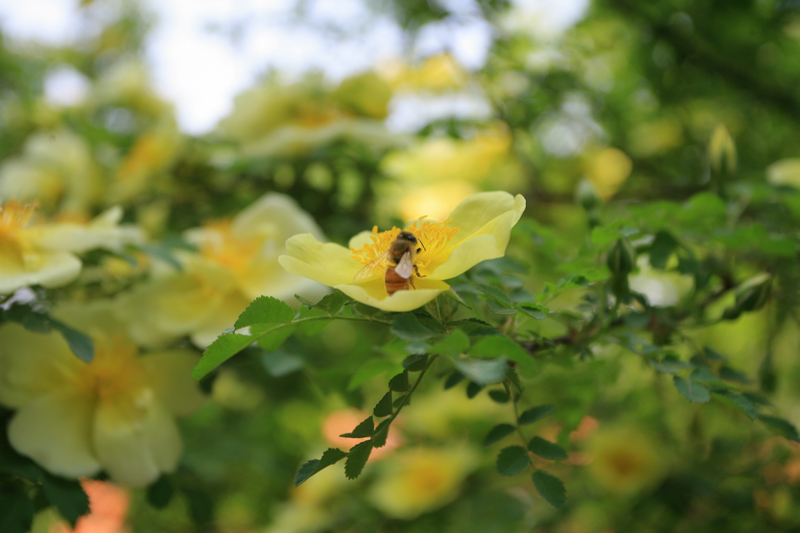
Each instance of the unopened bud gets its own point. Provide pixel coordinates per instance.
(722, 151)
(751, 295)
(587, 195)
(621, 258)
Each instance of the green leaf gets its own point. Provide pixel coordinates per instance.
(222, 349)
(408, 327)
(547, 449)
(670, 364)
(370, 369)
(399, 383)
(483, 372)
(16, 511)
(384, 406)
(364, 429)
(310, 327)
(381, 433)
(453, 344)
(473, 389)
(415, 363)
(453, 379)
(67, 496)
(499, 396)
(159, 494)
(784, 427)
(332, 303)
(550, 488)
(80, 344)
(704, 375)
(739, 402)
(535, 414)
(306, 470)
(280, 364)
(691, 391)
(500, 308)
(357, 458)
(401, 400)
(714, 355)
(201, 506)
(539, 312)
(661, 249)
(499, 346)
(273, 337)
(512, 460)
(495, 293)
(265, 310)
(729, 374)
(498, 433)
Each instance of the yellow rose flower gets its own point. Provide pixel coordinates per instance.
(477, 229)
(44, 254)
(626, 460)
(418, 480)
(236, 263)
(114, 414)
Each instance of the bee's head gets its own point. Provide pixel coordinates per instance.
(407, 236)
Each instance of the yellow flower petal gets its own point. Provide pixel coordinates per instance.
(53, 269)
(136, 440)
(374, 293)
(54, 430)
(474, 213)
(328, 263)
(169, 376)
(32, 364)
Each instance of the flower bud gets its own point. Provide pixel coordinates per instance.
(587, 195)
(750, 296)
(621, 258)
(722, 151)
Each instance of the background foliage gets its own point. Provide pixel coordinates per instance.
(635, 353)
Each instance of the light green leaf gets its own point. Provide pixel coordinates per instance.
(265, 310)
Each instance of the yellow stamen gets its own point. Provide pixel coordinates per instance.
(226, 249)
(14, 246)
(432, 236)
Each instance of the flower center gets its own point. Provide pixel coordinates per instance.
(14, 246)
(433, 238)
(221, 246)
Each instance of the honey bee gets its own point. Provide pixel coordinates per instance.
(397, 262)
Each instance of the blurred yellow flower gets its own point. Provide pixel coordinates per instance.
(478, 229)
(34, 253)
(127, 83)
(418, 480)
(440, 72)
(625, 460)
(607, 169)
(291, 119)
(236, 263)
(785, 172)
(114, 414)
(57, 170)
(149, 158)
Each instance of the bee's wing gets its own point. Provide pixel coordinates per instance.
(373, 269)
(405, 267)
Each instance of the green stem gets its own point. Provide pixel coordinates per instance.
(413, 388)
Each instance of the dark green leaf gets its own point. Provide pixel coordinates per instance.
(714, 355)
(499, 346)
(381, 433)
(473, 389)
(499, 396)
(16, 511)
(547, 449)
(453, 379)
(399, 383)
(661, 249)
(512, 460)
(67, 496)
(402, 400)
(452, 344)
(357, 458)
(784, 427)
(222, 349)
(384, 406)
(498, 433)
(329, 457)
(80, 344)
(306, 470)
(201, 506)
(535, 414)
(496, 293)
(704, 375)
(500, 308)
(265, 310)
(551, 488)
(408, 327)
(691, 391)
(159, 494)
(280, 364)
(332, 303)
(739, 402)
(364, 429)
(415, 363)
(310, 327)
(539, 312)
(729, 374)
(483, 372)
(670, 364)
